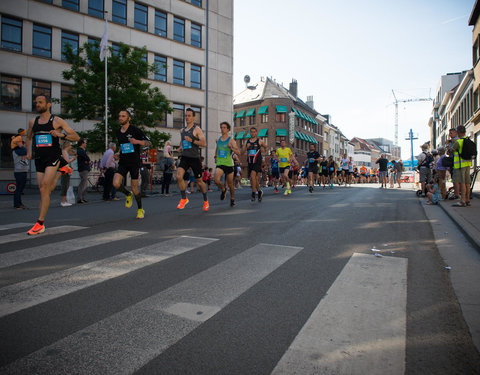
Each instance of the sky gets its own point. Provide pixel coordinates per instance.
(349, 55)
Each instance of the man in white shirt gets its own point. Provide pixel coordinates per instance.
(108, 167)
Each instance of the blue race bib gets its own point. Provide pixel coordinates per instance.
(283, 160)
(252, 152)
(311, 160)
(127, 148)
(43, 140)
(186, 145)
(222, 154)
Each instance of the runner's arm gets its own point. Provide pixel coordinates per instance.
(201, 141)
(28, 143)
(233, 146)
(61, 126)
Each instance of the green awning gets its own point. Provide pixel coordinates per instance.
(248, 136)
(310, 138)
(241, 114)
(281, 109)
(305, 137)
(263, 110)
(240, 135)
(262, 133)
(296, 112)
(281, 133)
(250, 112)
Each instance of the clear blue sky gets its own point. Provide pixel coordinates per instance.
(350, 54)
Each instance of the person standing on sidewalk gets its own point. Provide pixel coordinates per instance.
(65, 178)
(441, 172)
(452, 133)
(20, 169)
(107, 165)
(83, 162)
(383, 170)
(461, 169)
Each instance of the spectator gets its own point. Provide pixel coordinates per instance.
(433, 191)
(83, 162)
(168, 151)
(168, 168)
(382, 171)
(20, 169)
(145, 173)
(425, 160)
(398, 170)
(65, 178)
(452, 133)
(107, 165)
(461, 169)
(441, 172)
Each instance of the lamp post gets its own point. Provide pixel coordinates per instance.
(411, 138)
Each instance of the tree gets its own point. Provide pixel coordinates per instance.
(127, 89)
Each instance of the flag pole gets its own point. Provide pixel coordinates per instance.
(106, 103)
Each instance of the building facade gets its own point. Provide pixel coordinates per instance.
(190, 41)
(474, 21)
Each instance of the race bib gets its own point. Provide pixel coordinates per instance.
(186, 144)
(283, 160)
(43, 140)
(222, 154)
(331, 169)
(311, 160)
(127, 148)
(252, 152)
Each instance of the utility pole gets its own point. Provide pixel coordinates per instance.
(411, 138)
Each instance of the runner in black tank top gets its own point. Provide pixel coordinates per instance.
(253, 147)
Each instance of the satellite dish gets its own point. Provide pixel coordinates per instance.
(246, 79)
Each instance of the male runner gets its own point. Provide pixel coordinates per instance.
(324, 171)
(254, 147)
(275, 171)
(331, 167)
(130, 139)
(46, 130)
(284, 156)
(313, 160)
(192, 139)
(224, 161)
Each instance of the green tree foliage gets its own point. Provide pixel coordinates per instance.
(127, 89)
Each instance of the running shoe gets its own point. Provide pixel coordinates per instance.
(65, 170)
(276, 191)
(36, 229)
(253, 197)
(260, 195)
(310, 189)
(286, 192)
(206, 206)
(182, 204)
(65, 204)
(232, 202)
(128, 200)
(224, 193)
(289, 191)
(140, 213)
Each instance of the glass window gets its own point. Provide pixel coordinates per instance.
(11, 93)
(119, 11)
(40, 88)
(66, 91)
(160, 68)
(42, 41)
(47, 1)
(252, 120)
(162, 122)
(160, 23)
(141, 17)
(198, 115)
(70, 4)
(95, 8)
(179, 30)
(178, 72)
(71, 40)
(196, 76)
(198, 3)
(11, 34)
(280, 117)
(178, 115)
(264, 118)
(196, 35)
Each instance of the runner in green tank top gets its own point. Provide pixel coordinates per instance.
(224, 161)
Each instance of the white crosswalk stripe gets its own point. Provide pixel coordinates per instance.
(24, 236)
(15, 225)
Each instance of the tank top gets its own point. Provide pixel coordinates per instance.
(189, 149)
(224, 153)
(44, 144)
(254, 152)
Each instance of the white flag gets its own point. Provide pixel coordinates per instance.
(104, 42)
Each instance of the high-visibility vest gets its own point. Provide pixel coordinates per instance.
(458, 162)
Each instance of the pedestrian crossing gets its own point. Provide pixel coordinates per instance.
(127, 340)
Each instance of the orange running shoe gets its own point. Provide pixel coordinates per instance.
(182, 204)
(36, 229)
(65, 170)
(206, 206)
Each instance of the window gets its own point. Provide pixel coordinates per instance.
(160, 68)
(280, 117)
(95, 8)
(178, 115)
(196, 76)
(40, 88)
(70, 4)
(116, 49)
(66, 91)
(475, 51)
(178, 72)
(264, 118)
(11, 93)
(198, 3)
(47, 1)
(141, 17)
(252, 119)
(119, 11)
(198, 115)
(242, 121)
(71, 40)
(196, 35)
(42, 41)
(11, 34)
(179, 30)
(160, 23)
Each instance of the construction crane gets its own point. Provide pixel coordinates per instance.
(396, 110)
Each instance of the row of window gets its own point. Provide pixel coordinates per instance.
(464, 111)
(279, 117)
(119, 15)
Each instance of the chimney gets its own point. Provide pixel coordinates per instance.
(310, 101)
(293, 88)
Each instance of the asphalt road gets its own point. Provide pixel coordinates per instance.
(232, 295)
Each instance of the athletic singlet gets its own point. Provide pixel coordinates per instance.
(190, 149)
(312, 158)
(44, 144)
(284, 156)
(323, 166)
(224, 153)
(254, 152)
(363, 170)
(274, 164)
(345, 164)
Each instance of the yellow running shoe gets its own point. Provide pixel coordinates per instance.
(182, 204)
(128, 200)
(140, 213)
(286, 192)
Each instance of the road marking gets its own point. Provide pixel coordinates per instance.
(126, 341)
(360, 325)
(14, 225)
(24, 236)
(38, 252)
(29, 293)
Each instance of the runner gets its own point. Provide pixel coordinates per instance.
(331, 171)
(46, 130)
(224, 161)
(275, 171)
(345, 173)
(313, 160)
(192, 139)
(254, 147)
(130, 139)
(351, 175)
(363, 173)
(284, 155)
